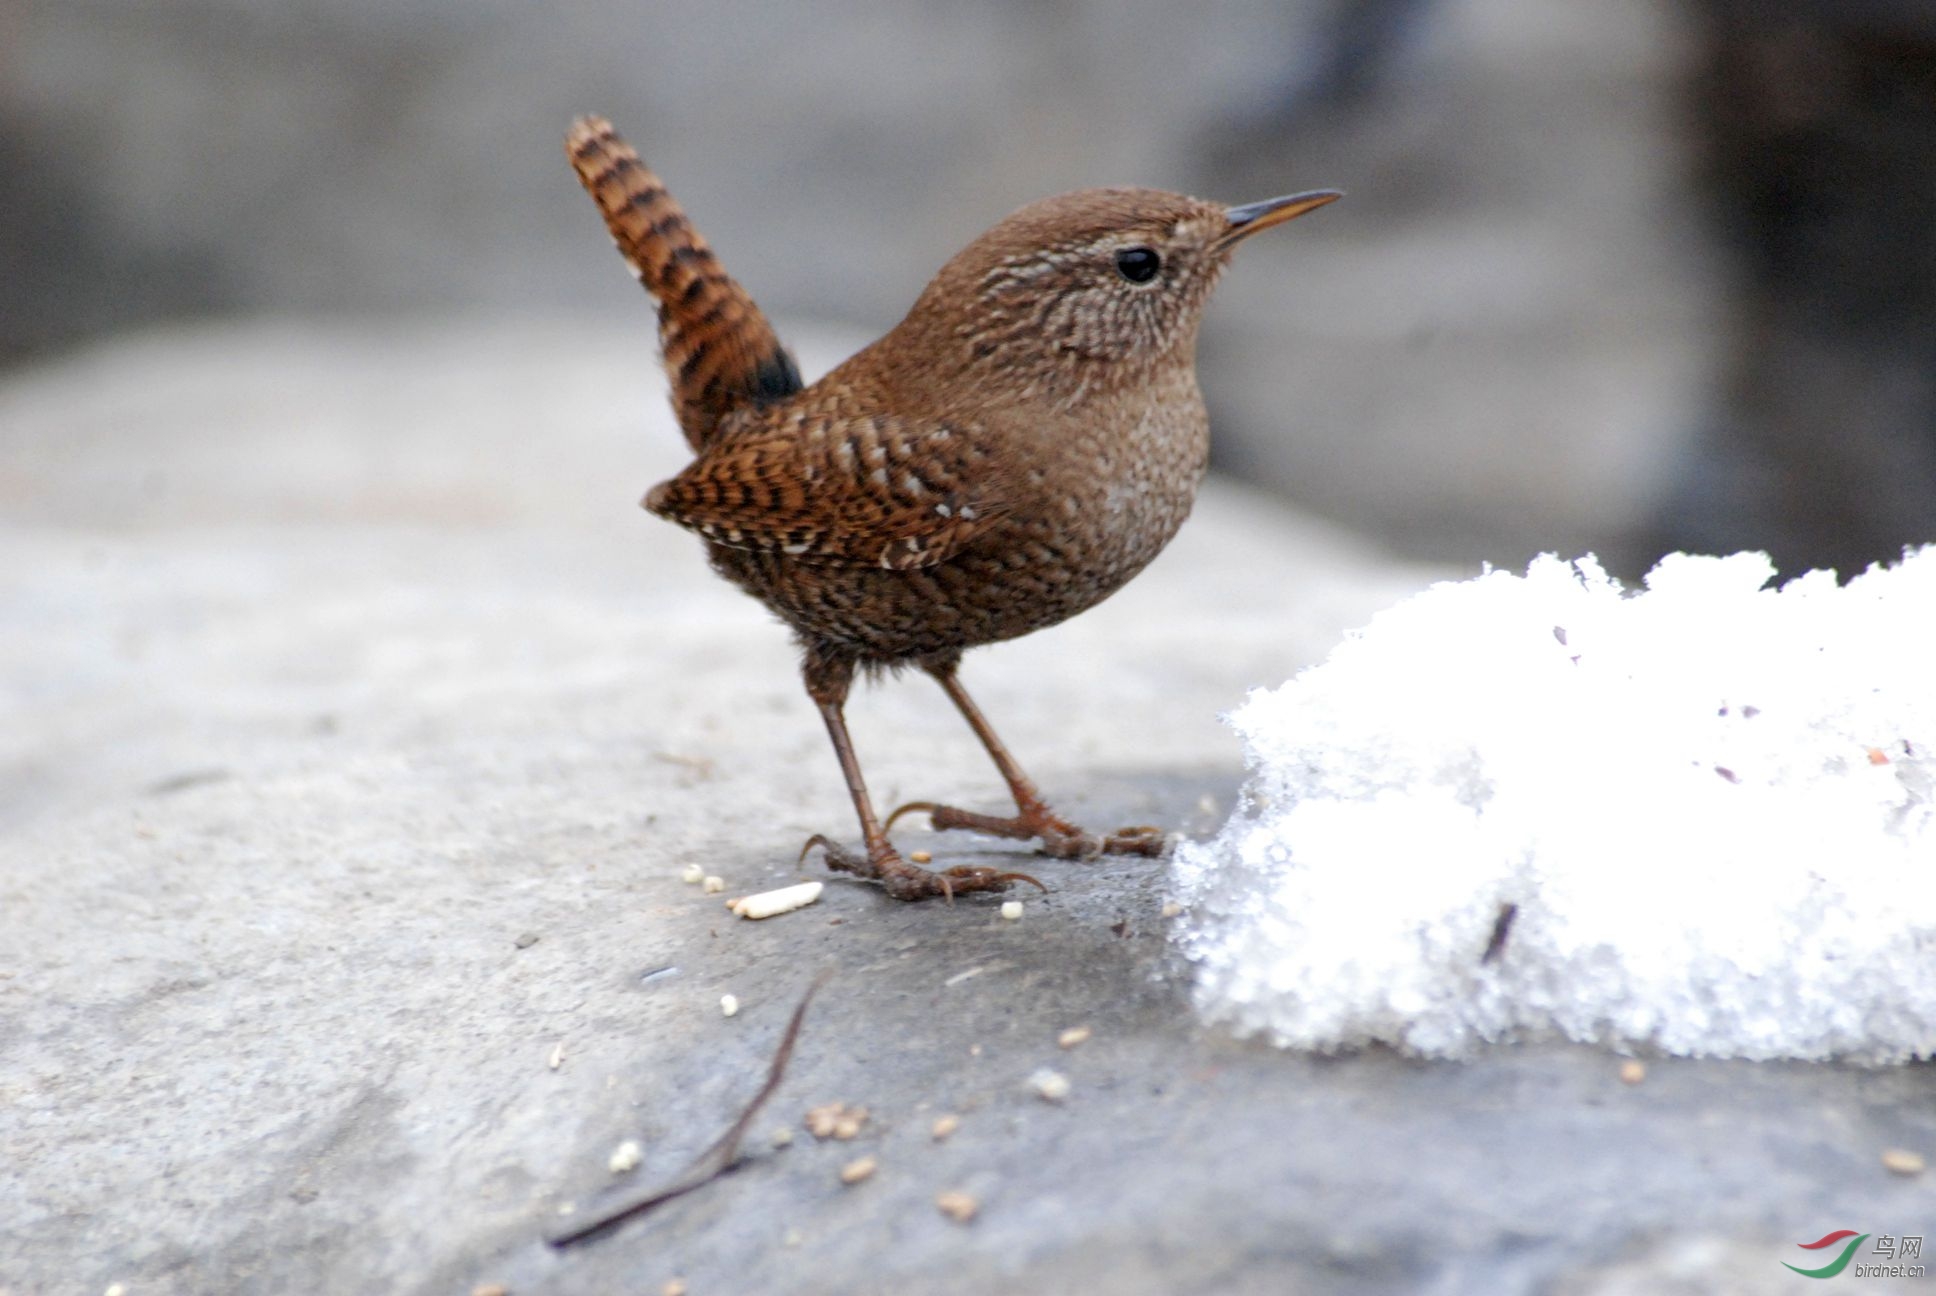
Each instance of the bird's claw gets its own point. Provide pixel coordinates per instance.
(1060, 839)
(905, 881)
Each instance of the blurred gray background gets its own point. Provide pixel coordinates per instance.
(1626, 277)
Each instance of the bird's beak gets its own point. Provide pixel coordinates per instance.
(1251, 217)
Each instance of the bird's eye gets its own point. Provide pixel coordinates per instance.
(1138, 264)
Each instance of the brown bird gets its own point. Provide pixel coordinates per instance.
(1027, 439)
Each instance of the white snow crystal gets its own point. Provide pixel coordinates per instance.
(1713, 804)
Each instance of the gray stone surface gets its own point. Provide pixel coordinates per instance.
(339, 666)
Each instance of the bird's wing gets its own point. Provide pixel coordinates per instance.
(879, 492)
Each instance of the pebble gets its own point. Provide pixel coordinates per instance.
(728, 1005)
(855, 1171)
(1903, 1162)
(1052, 1085)
(957, 1206)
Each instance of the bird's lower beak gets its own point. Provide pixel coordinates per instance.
(1251, 217)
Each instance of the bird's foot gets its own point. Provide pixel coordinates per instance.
(905, 881)
(1060, 839)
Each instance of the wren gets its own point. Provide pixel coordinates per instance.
(1024, 442)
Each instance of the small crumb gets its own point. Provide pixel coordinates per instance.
(557, 1058)
(490, 1289)
(728, 1005)
(692, 873)
(1051, 1085)
(1070, 1038)
(673, 1287)
(781, 1137)
(1011, 909)
(920, 857)
(855, 1171)
(713, 884)
(526, 941)
(1171, 908)
(1633, 1071)
(944, 1126)
(769, 904)
(835, 1120)
(793, 1237)
(957, 1206)
(625, 1157)
(1903, 1162)
(1877, 756)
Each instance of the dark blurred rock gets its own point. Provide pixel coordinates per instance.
(1819, 134)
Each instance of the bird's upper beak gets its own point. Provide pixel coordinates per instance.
(1251, 217)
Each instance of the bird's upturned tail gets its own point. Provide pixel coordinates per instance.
(720, 352)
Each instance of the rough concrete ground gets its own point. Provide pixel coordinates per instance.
(339, 667)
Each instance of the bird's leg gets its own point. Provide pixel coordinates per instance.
(829, 676)
(1033, 818)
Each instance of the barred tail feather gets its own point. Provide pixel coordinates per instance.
(720, 352)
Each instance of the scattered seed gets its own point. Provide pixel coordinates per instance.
(490, 1289)
(557, 1058)
(793, 1238)
(767, 904)
(1877, 756)
(526, 941)
(920, 857)
(1051, 1085)
(855, 1171)
(1903, 1162)
(957, 1205)
(1075, 1035)
(1171, 908)
(1633, 1071)
(673, 1287)
(566, 1208)
(1011, 909)
(836, 1120)
(692, 873)
(944, 1126)
(116, 1289)
(713, 884)
(728, 1005)
(625, 1157)
(1206, 804)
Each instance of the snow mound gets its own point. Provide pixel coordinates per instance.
(1713, 804)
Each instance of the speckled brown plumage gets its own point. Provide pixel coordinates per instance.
(1024, 442)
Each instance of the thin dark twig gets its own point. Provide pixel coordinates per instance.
(1501, 928)
(715, 1161)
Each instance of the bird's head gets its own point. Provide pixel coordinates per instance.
(1093, 285)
